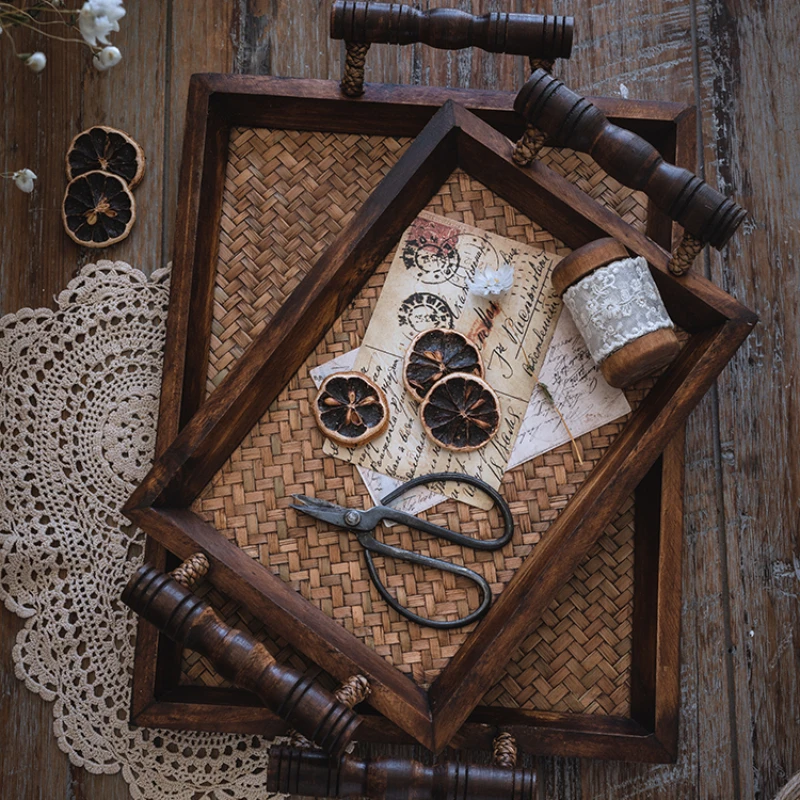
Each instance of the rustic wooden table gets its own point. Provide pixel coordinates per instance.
(740, 730)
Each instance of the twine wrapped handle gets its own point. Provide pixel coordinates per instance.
(191, 571)
(565, 119)
(363, 22)
(504, 750)
(166, 600)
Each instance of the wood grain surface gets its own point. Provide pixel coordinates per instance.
(740, 732)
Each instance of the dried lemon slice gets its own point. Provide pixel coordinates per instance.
(98, 209)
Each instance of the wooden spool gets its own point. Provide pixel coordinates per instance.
(638, 357)
(170, 605)
(361, 23)
(569, 120)
(313, 774)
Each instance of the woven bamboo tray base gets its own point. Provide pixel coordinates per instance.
(287, 195)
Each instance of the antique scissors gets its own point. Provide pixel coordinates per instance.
(362, 523)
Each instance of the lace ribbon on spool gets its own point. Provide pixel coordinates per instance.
(615, 305)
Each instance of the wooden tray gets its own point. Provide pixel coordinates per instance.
(643, 726)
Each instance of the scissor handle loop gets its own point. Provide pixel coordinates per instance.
(372, 545)
(445, 533)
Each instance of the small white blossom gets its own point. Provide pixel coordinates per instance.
(490, 282)
(98, 18)
(108, 57)
(106, 8)
(24, 179)
(36, 62)
(95, 29)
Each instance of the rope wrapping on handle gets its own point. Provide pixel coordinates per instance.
(540, 63)
(528, 146)
(191, 571)
(685, 253)
(353, 691)
(504, 750)
(353, 78)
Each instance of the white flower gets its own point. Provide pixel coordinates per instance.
(36, 62)
(97, 18)
(490, 282)
(106, 8)
(108, 57)
(24, 179)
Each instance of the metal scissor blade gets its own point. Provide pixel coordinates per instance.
(319, 509)
(317, 502)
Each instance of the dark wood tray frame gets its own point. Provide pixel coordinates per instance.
(197, 435)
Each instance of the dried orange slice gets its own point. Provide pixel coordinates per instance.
(106, 149)
(436, 353)
(460, 412)
(98, 209)
(351, 409)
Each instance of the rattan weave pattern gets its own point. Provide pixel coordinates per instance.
(287, 194)
(285, 199)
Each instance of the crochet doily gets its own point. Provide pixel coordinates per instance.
(78, 404)
(615, 305)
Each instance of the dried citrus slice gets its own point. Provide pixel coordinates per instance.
(106, 149)
(460, 412)
(436, 353)
(98, 209)
(351, 409)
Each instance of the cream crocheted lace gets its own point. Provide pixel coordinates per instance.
(78, 404)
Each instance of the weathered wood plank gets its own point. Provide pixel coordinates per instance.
(40, 115)
(202, 38)
(26, 720)
(750, 134)
(161, 44)
(655, 59)
(131, 97)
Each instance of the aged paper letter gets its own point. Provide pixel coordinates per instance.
(576, 384)
(427, 286)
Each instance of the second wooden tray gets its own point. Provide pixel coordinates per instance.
(300, 189)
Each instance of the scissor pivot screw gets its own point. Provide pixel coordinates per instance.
(352, 517)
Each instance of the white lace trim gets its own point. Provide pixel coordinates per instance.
(78, 405)
(616, 304)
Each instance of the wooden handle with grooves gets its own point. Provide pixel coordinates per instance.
(313, 774)
(236, 655)
(361, 22)
(542, 38)
(569, 120)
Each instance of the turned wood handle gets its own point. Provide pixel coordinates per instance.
(569, 120)
(313, 774)
(236, 655)
(547, 37)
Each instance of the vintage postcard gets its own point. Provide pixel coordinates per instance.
(427, 286)
(576, 384)
(579, 391)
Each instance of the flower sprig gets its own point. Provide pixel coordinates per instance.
(492, 281)
(94, 21)
(551, 400)
(23, 178)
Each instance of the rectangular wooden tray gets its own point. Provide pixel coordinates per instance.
(223, 108)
